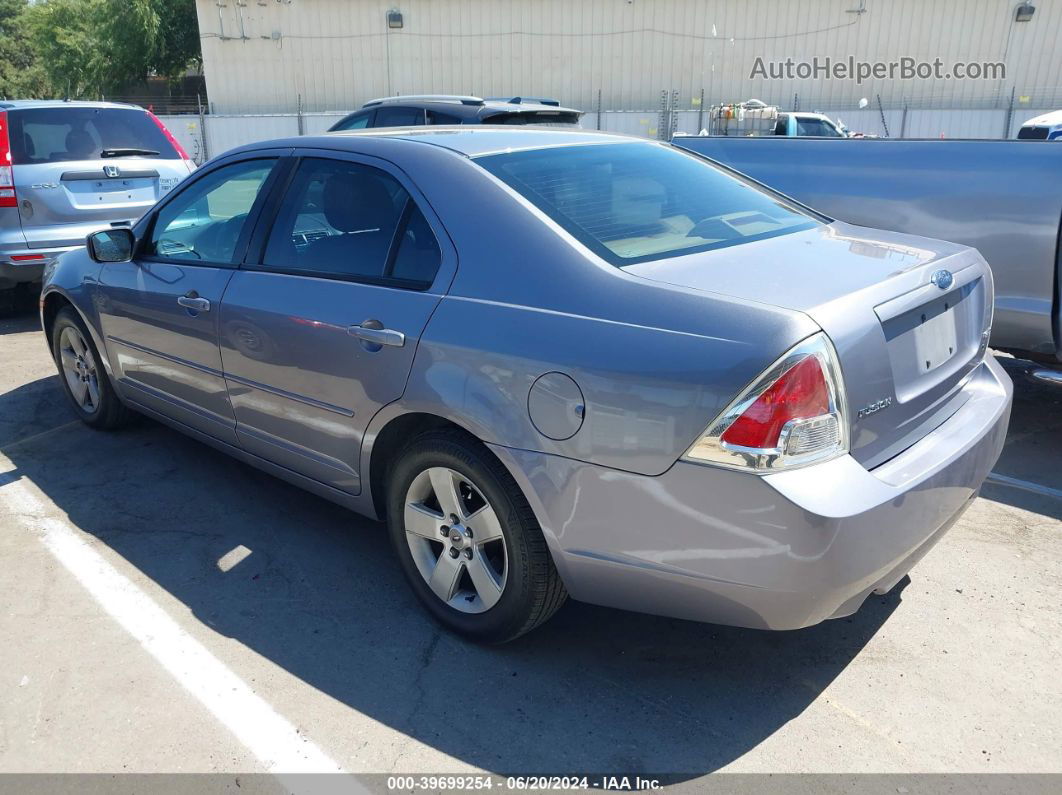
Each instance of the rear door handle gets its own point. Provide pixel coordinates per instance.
(194, 302)
(373, 332)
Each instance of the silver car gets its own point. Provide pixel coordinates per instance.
(70, 168)
(558, 363)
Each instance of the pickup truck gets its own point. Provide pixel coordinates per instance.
(1001, 197)
(756, 118)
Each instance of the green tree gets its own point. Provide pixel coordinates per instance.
(61, 33)
(177, 47)
(92, 47)
(21, 75)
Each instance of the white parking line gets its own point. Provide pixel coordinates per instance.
(267, 735)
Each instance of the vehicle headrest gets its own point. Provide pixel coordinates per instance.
(28, 146)
(79, 144)
(353, 202)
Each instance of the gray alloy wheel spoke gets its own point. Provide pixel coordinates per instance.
(485, 525)
(68, 358)
(444, 484)
(487, 587)
(445, 577)
(80, 390)
(422, 521)
(76, 342)
(93, 391)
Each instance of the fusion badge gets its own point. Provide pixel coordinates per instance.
(874, 408)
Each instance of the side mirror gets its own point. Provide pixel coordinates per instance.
(111, 245)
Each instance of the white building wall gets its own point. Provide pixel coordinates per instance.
(262, 55)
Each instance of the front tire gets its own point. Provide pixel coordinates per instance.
(84, 379)
(467, 540)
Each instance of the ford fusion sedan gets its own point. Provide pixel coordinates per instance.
(558, 363)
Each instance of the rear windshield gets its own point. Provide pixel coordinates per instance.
(633, 202)
(53, 135)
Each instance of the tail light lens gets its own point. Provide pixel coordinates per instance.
(188, 162)
(793, 415)
(7, 171)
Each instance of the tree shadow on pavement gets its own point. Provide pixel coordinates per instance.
(321, 596)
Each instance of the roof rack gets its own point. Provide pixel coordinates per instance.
(520, 100)
(451, 98)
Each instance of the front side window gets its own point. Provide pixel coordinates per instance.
(349, 220)
(205, 221)
(633, 202)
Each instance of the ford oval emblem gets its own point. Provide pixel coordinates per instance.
(942, 279)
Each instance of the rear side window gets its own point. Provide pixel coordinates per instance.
(54, 135)
(633, 202)
(343, 219)
(399, 117)
(358, 121)
(436, 117)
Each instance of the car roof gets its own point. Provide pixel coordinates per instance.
(1045, 120)
(16, 104)
(472, 141)
(466, 108)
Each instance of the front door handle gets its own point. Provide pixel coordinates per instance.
(194, 302)
(375, 335)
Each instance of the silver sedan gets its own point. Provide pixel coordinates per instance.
(558, 363)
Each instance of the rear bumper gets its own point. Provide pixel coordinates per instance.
(777, 552)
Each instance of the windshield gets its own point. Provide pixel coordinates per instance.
(51, 135)
(633, 202)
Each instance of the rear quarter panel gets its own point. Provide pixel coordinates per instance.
(655, 363)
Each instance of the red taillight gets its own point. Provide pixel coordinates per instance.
(7, 171)
(799, 393)
(169, 137)
(794, 414)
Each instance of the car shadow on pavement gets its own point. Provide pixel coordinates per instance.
(1034, 439)
(321, 596)
(19, 322)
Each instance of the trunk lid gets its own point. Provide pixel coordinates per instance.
(905, 338)
(80, 168)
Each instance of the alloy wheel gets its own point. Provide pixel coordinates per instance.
(456, 540)
(79, 369)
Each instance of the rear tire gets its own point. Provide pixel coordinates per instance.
(81, 372)
(489, 576)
